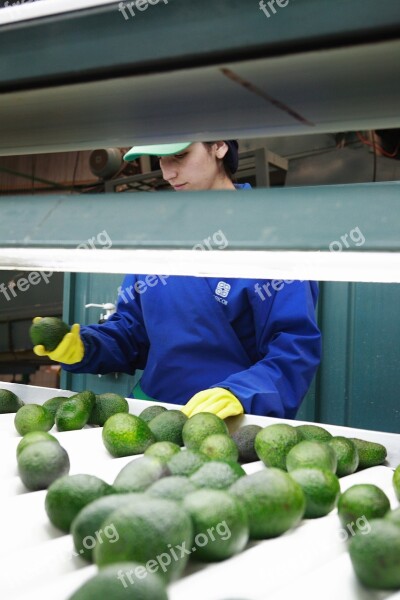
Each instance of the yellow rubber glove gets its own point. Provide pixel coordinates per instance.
(69, 351)
(218, 401)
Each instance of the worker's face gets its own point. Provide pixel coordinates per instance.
(196, 168)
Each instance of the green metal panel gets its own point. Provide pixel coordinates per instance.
(357, 383)
(372, 371)
(98, 42)
(276, 218)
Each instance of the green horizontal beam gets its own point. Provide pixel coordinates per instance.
(362, 217)
(99, 42)
(291, 95)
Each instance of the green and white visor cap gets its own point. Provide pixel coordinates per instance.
(158, 150)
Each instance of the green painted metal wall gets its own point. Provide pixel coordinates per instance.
(357, 382)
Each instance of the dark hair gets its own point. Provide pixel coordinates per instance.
(230, 159)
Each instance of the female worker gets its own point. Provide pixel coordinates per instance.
(214, 345)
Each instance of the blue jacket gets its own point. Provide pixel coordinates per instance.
(259, 339)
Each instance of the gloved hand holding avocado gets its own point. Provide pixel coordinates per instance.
(54, 338)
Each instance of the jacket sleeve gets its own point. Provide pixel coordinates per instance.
(289, 346)
(120, 344)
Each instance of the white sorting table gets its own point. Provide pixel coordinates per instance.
(309, 561)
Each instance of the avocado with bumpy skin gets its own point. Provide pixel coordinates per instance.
(362, 500)
(314, 432)
(309, 453)
(48, 332)
(376, 556)
(370, 454)
(41, 463)
(244, 439)
(167, 426)
(117, 581)
(274, 502)
(72, 414)
(9, 402)
(105, 406)
(274, 442)
(346, 454)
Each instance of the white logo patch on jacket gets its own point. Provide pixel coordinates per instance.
(221, 291)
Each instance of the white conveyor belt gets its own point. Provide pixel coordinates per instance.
(38, 561)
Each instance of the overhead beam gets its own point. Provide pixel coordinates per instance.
(295, 94)
(364, 217)
(331, 233)
(41, 46)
